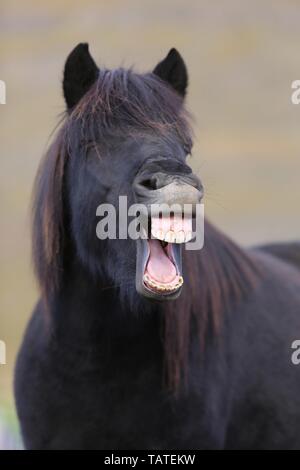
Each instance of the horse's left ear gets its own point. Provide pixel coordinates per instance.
(172, 69)
(79, 74)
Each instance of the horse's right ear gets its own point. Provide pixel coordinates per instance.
(172, 70)
(79, 74)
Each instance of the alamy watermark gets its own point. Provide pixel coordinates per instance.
(170, 223)
(295, 358)
(295, 96)
(2, 343)
(2, 353)
(2, 92)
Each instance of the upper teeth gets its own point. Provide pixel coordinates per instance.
(172, 229)
(171, 236)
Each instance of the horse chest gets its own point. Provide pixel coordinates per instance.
(114, 408)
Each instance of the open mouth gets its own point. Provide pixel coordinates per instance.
(159, 266)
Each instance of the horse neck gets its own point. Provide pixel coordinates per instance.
(215, 278)
(89, 311)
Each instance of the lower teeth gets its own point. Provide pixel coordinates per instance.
(163, 287)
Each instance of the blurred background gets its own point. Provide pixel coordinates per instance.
(242, 58)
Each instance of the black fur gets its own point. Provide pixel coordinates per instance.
(79, 74)
(172, 70)
(103, 368)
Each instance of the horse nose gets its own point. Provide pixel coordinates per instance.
(164, 188)
(160, 180)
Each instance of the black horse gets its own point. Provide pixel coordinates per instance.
(118, 354)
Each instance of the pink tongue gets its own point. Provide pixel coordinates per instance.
(159, 266)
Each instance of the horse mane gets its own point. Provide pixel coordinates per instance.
(119, 103)
(124, 103)
(217, 277)
(48, 228)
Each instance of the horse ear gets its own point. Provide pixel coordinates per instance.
(172, 69)
(79, 74)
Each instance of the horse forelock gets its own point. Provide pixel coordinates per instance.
(122, 101)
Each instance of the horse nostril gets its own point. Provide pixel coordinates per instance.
(149, 183)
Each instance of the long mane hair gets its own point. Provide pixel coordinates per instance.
(120, 102)
(216, 278)
(124, 102)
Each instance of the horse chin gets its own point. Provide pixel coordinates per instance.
(158, 269)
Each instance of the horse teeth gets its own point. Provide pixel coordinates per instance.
(170, 236)
(160, 234)
(161, 287)
(180, 237)
(188, 236)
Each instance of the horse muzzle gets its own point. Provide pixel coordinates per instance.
(169, 193)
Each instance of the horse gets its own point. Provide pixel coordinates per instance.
(120, 353)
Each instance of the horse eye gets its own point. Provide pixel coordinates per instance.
(187, 150)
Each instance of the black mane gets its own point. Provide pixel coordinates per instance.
(106, 331)
(120, 102)
(217, 278)
(123, 102)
